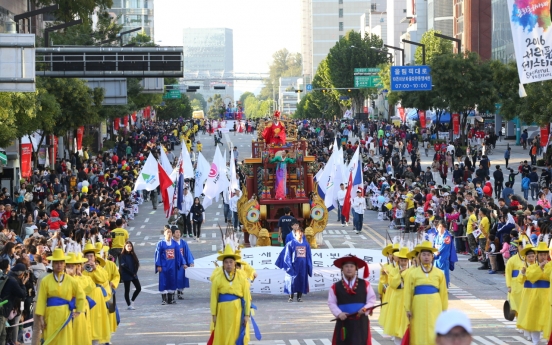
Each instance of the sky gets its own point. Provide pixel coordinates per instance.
(261, 27)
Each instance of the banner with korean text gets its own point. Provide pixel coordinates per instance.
(532, 33)
(422, 116)
(456, 123)
(270, 278)
(26, 155)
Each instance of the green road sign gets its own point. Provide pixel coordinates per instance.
(366, 71)
(3, 158)
(172, 94)
(368, 81)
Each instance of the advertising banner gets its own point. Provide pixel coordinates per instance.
(270, 278)
(530, 23)
(456, 123)
(402, 114)
(422, 116)
(80, 133)
(544, 132)
(26, 155)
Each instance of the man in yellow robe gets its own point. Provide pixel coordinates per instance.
(515, 287)
(100, 325)
(230, 302)
(383, 286)
(81, 324)
(114, 278)
(396, 321)
(58, 295)
(425, 296)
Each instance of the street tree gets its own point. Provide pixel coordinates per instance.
(85, 34)
(216, 106)
(465, 84)
(351, 52)
(70, 9)
(506, 81)
(175, 108)
(284, 64)
(199, 97)
(434, 46)
(537, 106)
(246, 95)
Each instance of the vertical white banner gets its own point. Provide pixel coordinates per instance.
(531, 30)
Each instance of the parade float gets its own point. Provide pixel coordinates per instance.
(280, 173)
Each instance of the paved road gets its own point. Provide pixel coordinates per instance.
(475, 292)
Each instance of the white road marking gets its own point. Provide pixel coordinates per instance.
(482, 340)
(309, 342)
(218, 213)
(328, 244)
(146, 238)
(347, 237)
(143, 226)
(363, 237)
(220, 206)
(294, 342)
(324, 232)
(152, 212)
(138, 233)
(344, 232)
(146, 220)
(349, 243)
(214, 234)
(214, 247)
(215, 219)
(331, 232)
(131, 228)
(203, 235)
(142, 244)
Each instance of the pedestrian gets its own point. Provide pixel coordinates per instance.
(359, 206)
(296, 260)
(426, 296)
(154, 198)
(534, 308)
(230, 303)
(284, 225)
(119, 238)
(453, 327)
(53, 304)
(351, 300)
(507, 155)
(499, 180)
(167, 262)
(187, 261)
(197, 215)
(234, 209)
(444, 246)
(187, 202)
(512, 271)
(128, 268)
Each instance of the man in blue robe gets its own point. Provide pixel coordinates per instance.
(187, 261)
(167, 262)
(296, 260)
(443, 244)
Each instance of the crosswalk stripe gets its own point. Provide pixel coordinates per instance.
(328, 342)
(309, 342)
(496, 340)
(482, 340)
(294, 342)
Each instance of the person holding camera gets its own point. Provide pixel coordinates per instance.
(12, 288)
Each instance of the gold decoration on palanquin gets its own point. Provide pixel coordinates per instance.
(309, 232)
(251, 214)
(263, 240)
(318, 225)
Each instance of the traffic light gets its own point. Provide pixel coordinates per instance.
(348, 90)
(373, 104)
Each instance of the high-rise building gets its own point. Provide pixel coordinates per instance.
(375, 20)
(134, 14)
(473, 25)
(396, 26)
(502, 42)
(324, 23)
(416, 14)
(11, 8)
(210, 52)
(440, 16)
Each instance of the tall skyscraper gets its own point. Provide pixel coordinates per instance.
(324, 22)
(133, 14)
(210, 52)
(502, 42)
(440, 16)
(473, 25)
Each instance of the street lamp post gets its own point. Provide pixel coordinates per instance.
(397, 48)
(419, 45)
(384, 51)
(457, 40)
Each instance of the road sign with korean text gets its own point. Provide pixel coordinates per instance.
(411, 78)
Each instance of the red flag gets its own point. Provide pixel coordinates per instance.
(164, 183)
(346, 210)
(406, 337)
(116, 124)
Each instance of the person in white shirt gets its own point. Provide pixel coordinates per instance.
(450, 147)
(340, 200)
(359, 206)
(234, 209)
(187, 203)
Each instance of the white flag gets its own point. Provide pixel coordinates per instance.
(234, 182)
(187, 161)
(201, 173)
(148, 178)
(217, 181)
(328, 169)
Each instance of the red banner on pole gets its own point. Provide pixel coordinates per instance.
(422, 116)
(125, 121)
(53, 153)
(147, 112)
(80, 133)
(544, 132)
(402, 114)
(456, 123)
(133, 118)
(116, 124)
(26, 155)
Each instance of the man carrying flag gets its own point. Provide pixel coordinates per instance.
(165, 183)
(359, 206)
(346, 210)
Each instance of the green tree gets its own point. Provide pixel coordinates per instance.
(199, 97)
(245, 95)
(216, 106)
(141, 40)
(465, 84)
(506, 81)
(70, 9)
(434, 46)
(536, 107)
(284, 64)
(349, 53)
(196, 105)
(175, 108)
(85, 35)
